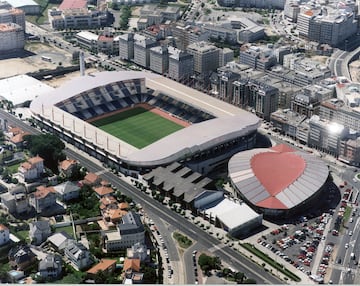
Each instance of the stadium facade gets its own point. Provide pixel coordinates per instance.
(278, 181)
(217, 130)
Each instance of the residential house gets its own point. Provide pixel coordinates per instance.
(58, 240)
(50, 267)
(67, 167)
(107, 266)
(32, 169)
(129, 231)
(21, 257)
(4, 234)
(138, 250)
(15, 201)
(39, 231)
(113, 214)
(42, 198)
(67, 191)
(102, 191)
(18, 139)
(131, 271)
(91, 179)
(77, 254)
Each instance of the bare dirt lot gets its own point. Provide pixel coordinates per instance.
(30, 60)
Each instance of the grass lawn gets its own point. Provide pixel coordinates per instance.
(14, 168)
(138, 127)
(67, 229)
(23, 234)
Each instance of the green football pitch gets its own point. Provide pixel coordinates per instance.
(138, 127)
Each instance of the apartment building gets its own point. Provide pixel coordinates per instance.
(129, 232)
(260, 58)
(326, 135)
(159, 59)
(12, 38)
(327, 25)
(13, 15)
(126, 46)
(76, 18)
(206, 57)
(181, 64)
(142, 46)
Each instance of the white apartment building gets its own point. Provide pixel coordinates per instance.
(181, 64)
(142, 46)
(126, 46)
(77, 18)
(159, 59)
(292, 10)
(206, 56)
(11, 38)
(129, 232)
(16, 16)
(327, 25)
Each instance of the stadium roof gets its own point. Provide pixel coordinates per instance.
(21, 88)
(231, 122)
(232, 214)
(195, 138)
(278, 177)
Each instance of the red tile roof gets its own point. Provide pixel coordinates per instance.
(133, 264)
(103, 265)
(102, 191)
(66, 164)
(72, 4)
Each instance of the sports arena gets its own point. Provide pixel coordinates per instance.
(136, 121)
(278, 181)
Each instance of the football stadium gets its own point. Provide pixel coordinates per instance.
(278, 181)
(137, 121)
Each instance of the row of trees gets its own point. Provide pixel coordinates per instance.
(208, 263)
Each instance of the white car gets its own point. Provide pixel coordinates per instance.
(346, 245)
(350, 233)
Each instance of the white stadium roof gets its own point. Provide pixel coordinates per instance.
(231, 122)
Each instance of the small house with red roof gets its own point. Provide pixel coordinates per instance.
(67, 167)
(91, 179)
(103, 191)
(42, 198)
(131, 271)
(107, 266)
(32, 169)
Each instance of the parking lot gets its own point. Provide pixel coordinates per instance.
(30, 60)
(298, 244)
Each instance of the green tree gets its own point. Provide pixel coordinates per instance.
(149, 275)
(239, 277)
(47, 146)
(208, 263)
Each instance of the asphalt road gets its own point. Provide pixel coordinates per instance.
(156, 209)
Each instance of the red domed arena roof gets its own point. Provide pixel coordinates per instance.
(278, 177)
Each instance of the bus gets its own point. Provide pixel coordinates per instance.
(46, 59)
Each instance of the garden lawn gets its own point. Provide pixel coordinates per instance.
(138, 127)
